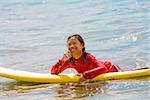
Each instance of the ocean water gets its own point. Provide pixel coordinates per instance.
(33, 36)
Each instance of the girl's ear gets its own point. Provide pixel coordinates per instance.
(83, 45)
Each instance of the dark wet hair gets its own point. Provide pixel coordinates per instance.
(79, 38)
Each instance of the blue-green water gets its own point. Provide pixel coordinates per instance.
(33, 36)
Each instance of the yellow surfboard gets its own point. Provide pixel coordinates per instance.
(66, 78)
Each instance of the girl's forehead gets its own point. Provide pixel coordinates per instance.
(72, 39)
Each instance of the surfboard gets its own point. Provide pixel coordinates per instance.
(67, 78)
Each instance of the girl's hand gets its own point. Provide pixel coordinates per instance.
(81, 79)
(66, 56)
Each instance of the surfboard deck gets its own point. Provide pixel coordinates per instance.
(67, 78)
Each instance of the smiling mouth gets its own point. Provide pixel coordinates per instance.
(73, 49)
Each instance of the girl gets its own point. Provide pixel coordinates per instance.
(84, 63)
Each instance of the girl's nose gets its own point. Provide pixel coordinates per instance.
(71, 45)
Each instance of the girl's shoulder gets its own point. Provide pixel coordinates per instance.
(89, 56)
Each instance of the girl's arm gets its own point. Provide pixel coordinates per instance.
(94, 72)
(97, 68)
(59, 67)
(62, 64)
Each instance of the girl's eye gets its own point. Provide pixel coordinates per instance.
(74, 43)
(69, 44)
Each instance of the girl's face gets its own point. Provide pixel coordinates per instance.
(74, 45)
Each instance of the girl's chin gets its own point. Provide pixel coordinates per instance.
(74, 52)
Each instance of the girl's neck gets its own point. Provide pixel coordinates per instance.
(77, 55)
